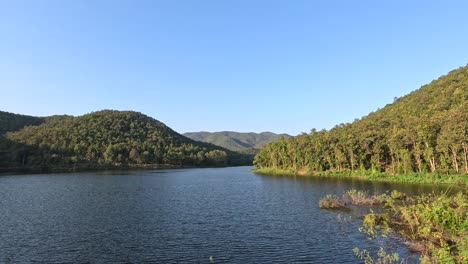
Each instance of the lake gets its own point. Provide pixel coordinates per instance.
(179, 216)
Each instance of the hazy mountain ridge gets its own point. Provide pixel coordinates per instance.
(236, 141)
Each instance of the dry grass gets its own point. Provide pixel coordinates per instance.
(332, 202)
(360, 198)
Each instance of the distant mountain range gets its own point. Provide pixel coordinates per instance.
(236, 141)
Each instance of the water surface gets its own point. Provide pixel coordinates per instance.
(177, 216)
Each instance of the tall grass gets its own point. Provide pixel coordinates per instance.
(423, 178)
(437, 223)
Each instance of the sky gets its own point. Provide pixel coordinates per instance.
(225, 65)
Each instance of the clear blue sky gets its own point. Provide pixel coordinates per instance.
(281, 66)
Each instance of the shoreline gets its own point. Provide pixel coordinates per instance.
(459, 180)
(43, 170)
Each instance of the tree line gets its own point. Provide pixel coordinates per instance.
(423, 132)
(108, 138)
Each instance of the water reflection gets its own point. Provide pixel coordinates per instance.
(179, 216)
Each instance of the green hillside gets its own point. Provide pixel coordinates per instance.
(13, 122)
(424, 131)
(236, 141)
(106, 139)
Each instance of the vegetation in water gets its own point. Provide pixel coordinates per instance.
(358, 197)
(353, 196)
(382, 257)
(436, 225)
(332, 202)
(102, 139)
(423, 133)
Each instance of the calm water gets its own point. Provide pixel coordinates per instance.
(177, 216)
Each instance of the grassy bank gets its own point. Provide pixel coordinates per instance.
(423, 178)
(435, 225)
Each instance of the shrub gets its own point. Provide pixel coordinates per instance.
(361, 197)
(332, 202)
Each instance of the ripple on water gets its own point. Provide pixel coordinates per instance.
(175, 216)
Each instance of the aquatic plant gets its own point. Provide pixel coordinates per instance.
(358, 197)
(382, 257)
(331, 202)
(437, 223)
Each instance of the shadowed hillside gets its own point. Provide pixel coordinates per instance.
(12, 122)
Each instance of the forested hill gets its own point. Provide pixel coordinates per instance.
(424, 131)
(12, 122)
(106, 139)
(236, 141)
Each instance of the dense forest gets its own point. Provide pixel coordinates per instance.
(236, 141)
(13, 122)
(102, 139)
(424, 132)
